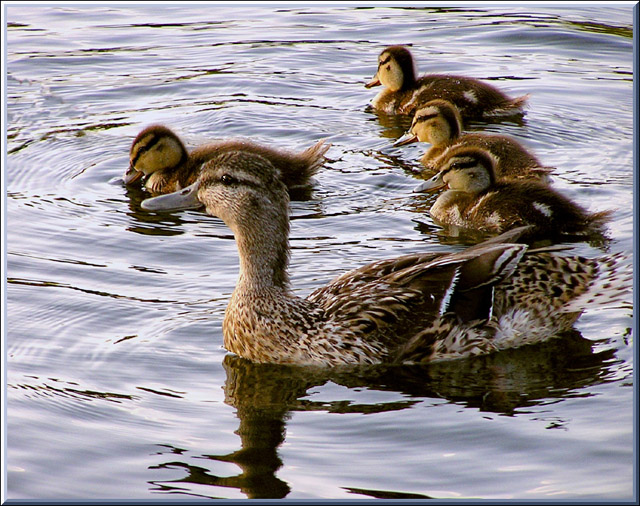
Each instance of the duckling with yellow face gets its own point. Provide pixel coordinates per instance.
(160, 155)
(439, 123)
(474, 199)
(404, 92)
(416, 308)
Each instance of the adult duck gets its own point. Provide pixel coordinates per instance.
(404, 92)
(412, 309)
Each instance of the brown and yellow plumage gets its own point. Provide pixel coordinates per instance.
(475, 199)
(404, 92)
(439, 123)
(158, 153)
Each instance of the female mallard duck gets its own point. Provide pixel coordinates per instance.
(160, 154)
(439, 123)
(412, 309)
(476, 200)
(405, 92)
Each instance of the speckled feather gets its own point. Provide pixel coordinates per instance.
(415, 308)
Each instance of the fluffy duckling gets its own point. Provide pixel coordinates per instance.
(158, 153)
(440, 124)
(474, 199)
(413, 309)
(406, 93)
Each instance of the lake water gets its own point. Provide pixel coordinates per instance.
(117, 384)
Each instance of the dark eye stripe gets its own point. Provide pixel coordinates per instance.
(385, 61)
(463, 165)
(425, 117)
(154, 140)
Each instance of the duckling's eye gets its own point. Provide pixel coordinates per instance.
(384, 61)
(227, 180)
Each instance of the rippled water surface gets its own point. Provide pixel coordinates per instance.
(117, 384)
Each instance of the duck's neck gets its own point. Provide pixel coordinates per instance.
(264, 256)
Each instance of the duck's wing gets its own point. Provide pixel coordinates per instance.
(392, 299)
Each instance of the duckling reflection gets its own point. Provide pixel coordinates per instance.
(265, 396)
(146, 223)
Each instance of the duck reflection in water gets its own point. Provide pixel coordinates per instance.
(264, 396)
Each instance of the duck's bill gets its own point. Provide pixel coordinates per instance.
(132, 175)
(187, 198)
(407, 138)
(431, 185)
(374, 82)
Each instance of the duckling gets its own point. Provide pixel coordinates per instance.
(476, 200)
(439, 123)
(415, 308)
(405, 93)
(160, 154)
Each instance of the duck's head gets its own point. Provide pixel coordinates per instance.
(438, 122)
(242, 188)
(155, 148)
(466, 169)
(396, 69)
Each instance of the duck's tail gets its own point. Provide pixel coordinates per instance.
(601, 218)
(610, 285)
(302, 166)
(314, 157)
(509, 107)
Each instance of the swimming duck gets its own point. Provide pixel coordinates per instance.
(406, 93)
(412, 309)
(474, 199)
(439, 123)
(160, 154)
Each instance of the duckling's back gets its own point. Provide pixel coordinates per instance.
(513, 161)
(297, 168)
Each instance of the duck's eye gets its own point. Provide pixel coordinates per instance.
(227, 180)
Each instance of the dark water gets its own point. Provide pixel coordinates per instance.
(117, 385)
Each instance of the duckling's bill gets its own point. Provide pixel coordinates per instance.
(431, 185)
(132, 175)
(407, 138)
(374, 82)
(187, 198)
